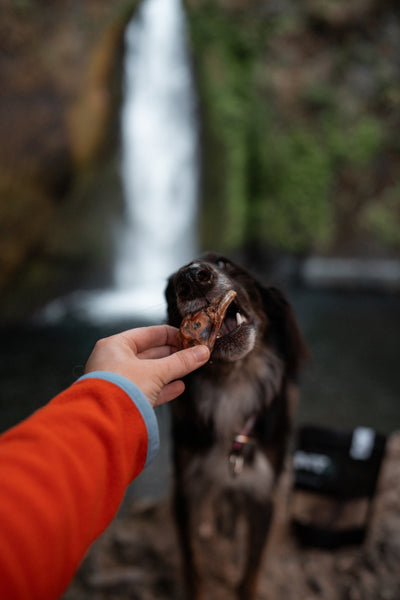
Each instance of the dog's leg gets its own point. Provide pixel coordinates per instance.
(191, 577)
(259, 516)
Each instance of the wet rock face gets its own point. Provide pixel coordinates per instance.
(59, 74)
(137, 557)
(52, 58)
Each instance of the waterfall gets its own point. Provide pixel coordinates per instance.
(159, 152)
(158, 166)
(159, 161)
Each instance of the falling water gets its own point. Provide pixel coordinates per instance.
(159, 146)
(158, 167)
(158, 160)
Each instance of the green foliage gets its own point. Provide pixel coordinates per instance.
(355, 143)
(382, 217)
(365, 141)
(319, 95)
(296, 208)
(225, 79)
(266, 184)
(267, 178)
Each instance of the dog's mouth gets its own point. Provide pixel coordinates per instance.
(234, 320)
(221, 323)
(236, 337)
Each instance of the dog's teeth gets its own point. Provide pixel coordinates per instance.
(239, 319)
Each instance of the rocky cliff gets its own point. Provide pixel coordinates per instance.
(59, 98)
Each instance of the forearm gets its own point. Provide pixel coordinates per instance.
(64, 472)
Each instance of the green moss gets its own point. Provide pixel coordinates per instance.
(271, 177)
(265, 184)
(225, 79)
(382, 217)
(355, 143)
(319, 95)
(365, 141)
(295, 210)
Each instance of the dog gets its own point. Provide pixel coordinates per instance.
(230, 427)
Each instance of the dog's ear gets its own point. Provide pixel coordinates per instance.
(283, 329)
(174, 317)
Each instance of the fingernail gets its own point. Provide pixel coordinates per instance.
(201, 353)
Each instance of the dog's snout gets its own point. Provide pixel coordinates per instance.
(191, 279)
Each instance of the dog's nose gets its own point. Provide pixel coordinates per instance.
(194, 278)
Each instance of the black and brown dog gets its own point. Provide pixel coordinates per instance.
(231, 425)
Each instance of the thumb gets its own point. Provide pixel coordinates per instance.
(181, 363)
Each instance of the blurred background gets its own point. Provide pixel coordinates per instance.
(134, 135)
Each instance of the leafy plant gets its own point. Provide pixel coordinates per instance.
(382, 217)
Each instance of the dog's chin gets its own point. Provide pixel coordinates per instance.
(236, 344)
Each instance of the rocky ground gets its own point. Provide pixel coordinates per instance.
(137, 557)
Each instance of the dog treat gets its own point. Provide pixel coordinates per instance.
(202, 327)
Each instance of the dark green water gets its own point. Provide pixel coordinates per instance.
(353, 379)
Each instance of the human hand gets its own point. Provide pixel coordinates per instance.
(150, 358)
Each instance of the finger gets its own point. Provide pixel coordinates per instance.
(181, 363)
(157, 352)
(142, 338)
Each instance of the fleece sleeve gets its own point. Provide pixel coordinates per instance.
(63, 474)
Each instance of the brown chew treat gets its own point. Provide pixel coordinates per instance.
(202, 327)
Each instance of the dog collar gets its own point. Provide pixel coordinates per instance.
(242, 449)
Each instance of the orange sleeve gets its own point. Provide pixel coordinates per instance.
(63, 474)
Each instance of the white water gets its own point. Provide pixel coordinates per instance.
(158, 170)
